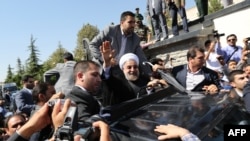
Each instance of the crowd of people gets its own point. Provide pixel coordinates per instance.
(116, 74)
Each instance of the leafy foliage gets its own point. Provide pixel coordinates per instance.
(9, 75)
(54, 58)
(88, 31)
(214, 6)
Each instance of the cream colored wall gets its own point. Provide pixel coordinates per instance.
(234, 23)
(192, 13)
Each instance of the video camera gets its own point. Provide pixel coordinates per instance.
(66, 131)
(216, 34)
(72, 127)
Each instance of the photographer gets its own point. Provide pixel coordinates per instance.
(40, 120)
(41, 94)
(244, 60)
(231, 51)
(211, 57)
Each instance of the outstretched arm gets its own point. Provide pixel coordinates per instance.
(171, 131)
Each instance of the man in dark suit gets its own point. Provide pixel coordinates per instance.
(64, 71)
(237, 79)
(157, 10)
(123, 40)
(87, 82)
(23, 98)
(194, 76)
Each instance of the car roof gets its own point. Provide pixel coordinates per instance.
(201, 114)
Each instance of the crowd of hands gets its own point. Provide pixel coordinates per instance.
(43, 118)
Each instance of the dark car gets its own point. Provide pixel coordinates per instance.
(203, 115)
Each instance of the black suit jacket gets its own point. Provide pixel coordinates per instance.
(118, 89)
(246, 96)
(211, 77)
(87, 105)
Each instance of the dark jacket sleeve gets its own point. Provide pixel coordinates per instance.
(16, 137)
(246, 96)
(211, 77)
(21, 102)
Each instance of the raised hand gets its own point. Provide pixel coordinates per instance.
(107, 53)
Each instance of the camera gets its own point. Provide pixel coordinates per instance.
(70, 124)
(248, 38)
(216, 34)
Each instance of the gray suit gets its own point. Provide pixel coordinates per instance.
(114, 35)
(158, 18)
(66, 77)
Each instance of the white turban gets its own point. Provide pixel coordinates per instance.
(128, 56)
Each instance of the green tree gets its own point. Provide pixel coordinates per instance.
(17, 79)
(87, 31)
(54, 58)
(20, 71)
(32, 62)
(20, 68)
(9, 75)
(214, 6)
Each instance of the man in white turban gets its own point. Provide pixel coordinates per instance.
(126, 57)
(129, 65)
(128, 85)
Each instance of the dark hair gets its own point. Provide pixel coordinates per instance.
(39, 89)
(246, 65)
(68, 56)
(193, 50)
(9, 117)
(231, 61)
(207, 43)
(125, 14)
(26, 78)
(155, 60)
(232, 74)
(83, 66)
(230, 35)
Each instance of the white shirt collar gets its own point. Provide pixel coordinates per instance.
(239, 93)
